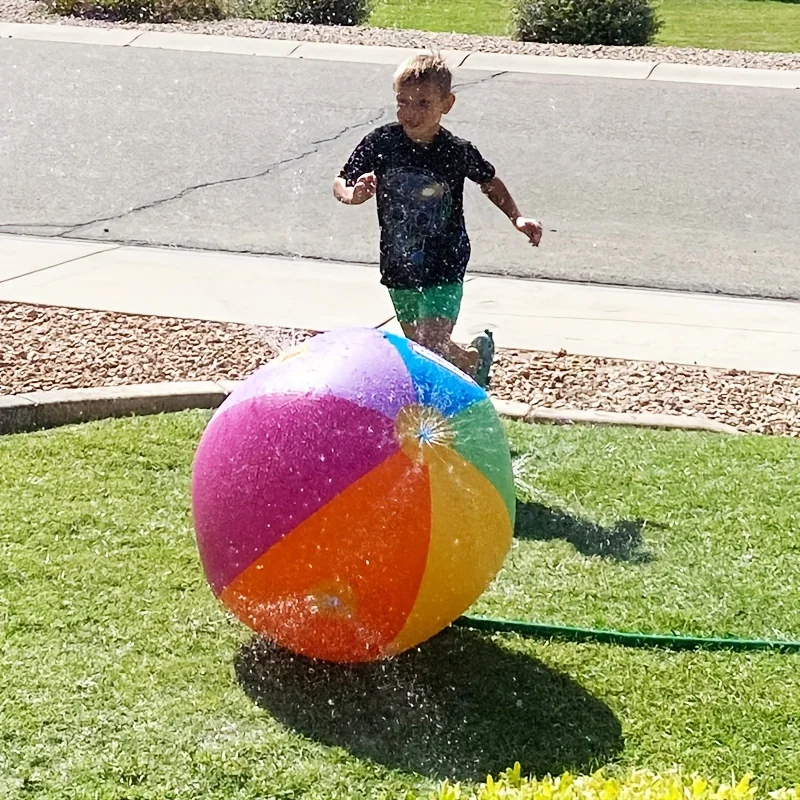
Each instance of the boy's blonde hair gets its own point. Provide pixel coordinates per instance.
(428, 68)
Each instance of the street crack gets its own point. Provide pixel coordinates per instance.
(69, 229)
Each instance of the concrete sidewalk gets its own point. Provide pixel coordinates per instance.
(619, 69)
(683, 328)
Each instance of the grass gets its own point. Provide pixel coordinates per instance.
(769, 25)
(122, 677)
(635, 531)
(488, 17)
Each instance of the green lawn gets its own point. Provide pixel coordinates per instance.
(662, 533)
(121, 677)
(725, 24)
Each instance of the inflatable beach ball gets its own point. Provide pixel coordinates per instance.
(353, 496)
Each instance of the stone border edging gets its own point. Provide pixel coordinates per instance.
(375, 54)
(24, 413)
(564, 416)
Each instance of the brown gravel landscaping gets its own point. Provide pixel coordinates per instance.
(48, 348)
(33, 11)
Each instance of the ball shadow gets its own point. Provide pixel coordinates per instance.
(622, 541)
(459, 707)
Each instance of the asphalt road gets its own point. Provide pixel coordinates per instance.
(678, 186)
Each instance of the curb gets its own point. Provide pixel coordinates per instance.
(619, 69)
(23, 413)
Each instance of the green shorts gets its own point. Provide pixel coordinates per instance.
(435, 302)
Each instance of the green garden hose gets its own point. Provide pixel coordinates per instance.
(624, 638)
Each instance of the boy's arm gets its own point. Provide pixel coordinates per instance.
(356, 183)
(358, 193)
(341, 191)
(498, 193)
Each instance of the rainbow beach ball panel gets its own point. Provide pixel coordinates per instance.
(353, 496)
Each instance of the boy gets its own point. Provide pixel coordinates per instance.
(417, 169)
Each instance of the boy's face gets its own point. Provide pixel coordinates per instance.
(420, 108)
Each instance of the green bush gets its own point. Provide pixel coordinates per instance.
(314, 12)
(321, 12)
(606, 22)
(637, 785)
(142, 10)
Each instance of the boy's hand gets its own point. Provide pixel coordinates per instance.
(531, 228)
(364, 188)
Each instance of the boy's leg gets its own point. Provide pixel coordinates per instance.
(428, 317)
(435, 333)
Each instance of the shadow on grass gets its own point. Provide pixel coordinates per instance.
(622, 541)
(458, 707)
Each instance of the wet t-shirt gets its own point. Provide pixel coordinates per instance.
(420, 198)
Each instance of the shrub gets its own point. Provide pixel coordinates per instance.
(141, 10)
(636, 785)
(606, 22)
(321, 12)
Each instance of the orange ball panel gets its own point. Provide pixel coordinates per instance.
(341, 585)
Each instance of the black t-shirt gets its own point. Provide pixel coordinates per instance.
(420, 201)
